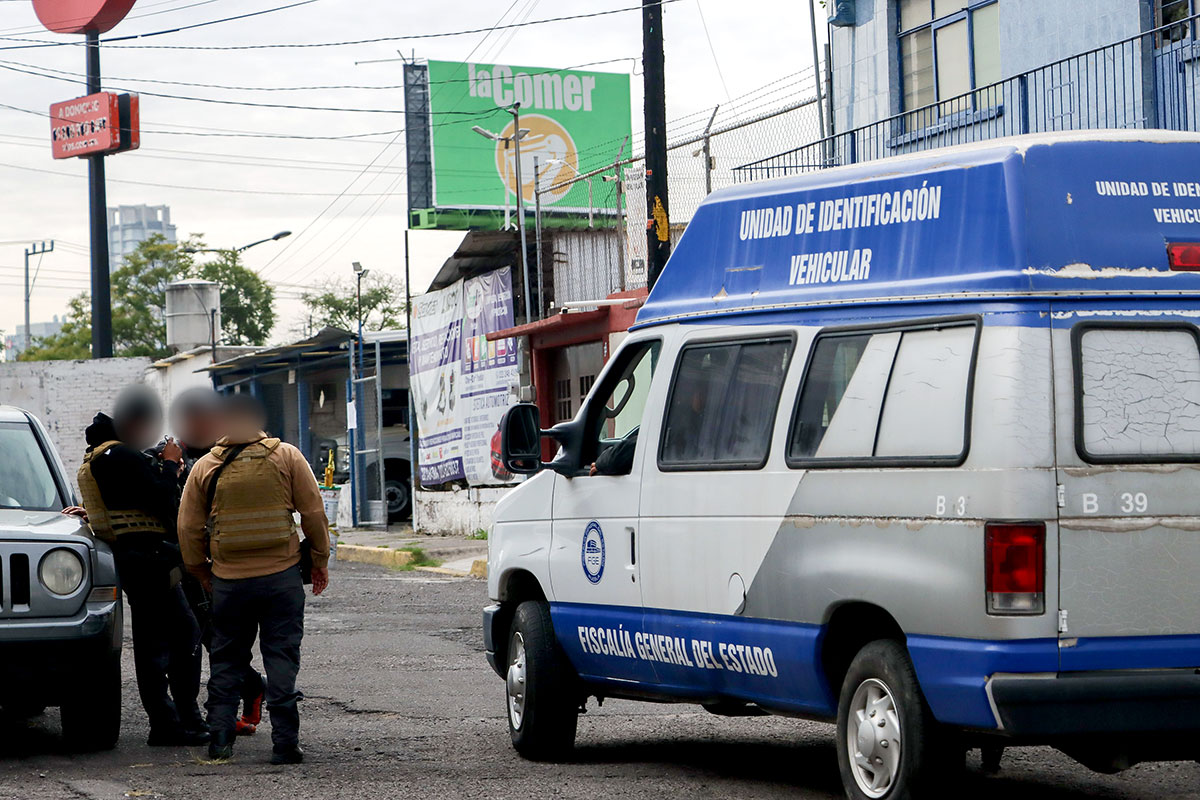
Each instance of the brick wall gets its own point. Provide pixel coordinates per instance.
(65, 395)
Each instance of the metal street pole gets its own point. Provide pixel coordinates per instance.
(537, 226)
(708, 152)
(516, 136)
(360, 324)
(102, 344)
(33, 250)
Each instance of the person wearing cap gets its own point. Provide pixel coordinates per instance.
(238, 537)
(130, 499)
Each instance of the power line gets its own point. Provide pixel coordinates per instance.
(46, 43)
(32, 43)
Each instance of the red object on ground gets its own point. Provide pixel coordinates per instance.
(81, 16)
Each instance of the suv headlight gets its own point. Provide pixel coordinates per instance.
(61, 571)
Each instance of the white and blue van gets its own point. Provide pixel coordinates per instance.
(912, 446)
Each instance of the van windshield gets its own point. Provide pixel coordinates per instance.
(1138, 393)
(26, 481)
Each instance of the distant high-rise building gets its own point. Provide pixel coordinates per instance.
(14, 344)
(128, 225)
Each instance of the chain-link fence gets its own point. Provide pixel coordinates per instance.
(702, 154)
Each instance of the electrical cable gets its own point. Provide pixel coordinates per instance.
(37, 43)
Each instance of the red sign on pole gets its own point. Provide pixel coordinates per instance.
(81, 16)
(85, 126)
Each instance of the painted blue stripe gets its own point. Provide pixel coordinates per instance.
(777, 664)
(697, 656)
(1131, 652)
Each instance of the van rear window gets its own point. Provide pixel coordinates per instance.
(1137, 390)
(892, 396)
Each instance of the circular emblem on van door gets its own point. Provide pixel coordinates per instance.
(593, 552)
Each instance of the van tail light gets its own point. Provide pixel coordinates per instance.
(1015, 567)
(1184, 256)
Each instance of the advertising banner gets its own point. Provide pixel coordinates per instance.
(461, 382)
(85, 126)
(434, 367)
(576, 120)
(489, 371)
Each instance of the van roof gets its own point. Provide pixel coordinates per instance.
(1057, 215)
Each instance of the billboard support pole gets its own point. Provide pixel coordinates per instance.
(515, 110)
(537, 235)
(102, 344)
(659, 230)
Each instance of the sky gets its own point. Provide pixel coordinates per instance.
(344, 200)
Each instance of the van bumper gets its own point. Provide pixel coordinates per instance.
(1072, 703)
(490, 616)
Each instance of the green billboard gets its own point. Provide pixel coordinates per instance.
(577, 121)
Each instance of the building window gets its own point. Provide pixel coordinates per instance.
(1174, 16)
(564, 408)
(947, 49)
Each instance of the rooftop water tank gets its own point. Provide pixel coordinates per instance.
(193, 314)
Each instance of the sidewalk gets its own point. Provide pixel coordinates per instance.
(394, 547)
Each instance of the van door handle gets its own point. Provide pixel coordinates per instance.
(632, 546)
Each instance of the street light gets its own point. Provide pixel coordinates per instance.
(515, 138)
(212, 312)
(360, 272)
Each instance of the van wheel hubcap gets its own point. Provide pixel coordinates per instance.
(873, 738)
(516, 681)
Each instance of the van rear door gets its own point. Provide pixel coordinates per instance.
(1128, 465)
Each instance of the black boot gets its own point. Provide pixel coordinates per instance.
(220, 747)
(289, 754)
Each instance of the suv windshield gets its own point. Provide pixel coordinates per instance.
(25, 478)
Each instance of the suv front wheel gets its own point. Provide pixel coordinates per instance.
(540, 689)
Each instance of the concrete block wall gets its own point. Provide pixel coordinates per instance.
(65, 395)
(456, 513)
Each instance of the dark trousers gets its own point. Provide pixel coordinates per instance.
(166, 639)
(271, 607)
(200, 602)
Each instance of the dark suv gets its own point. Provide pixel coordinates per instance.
(60, 605)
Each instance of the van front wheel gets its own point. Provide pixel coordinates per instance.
(885, 732)
(540, 692)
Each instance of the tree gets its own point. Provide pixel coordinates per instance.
(247, 301)
(73, 340)
(139, 291)
(139, 310)
(336, 303)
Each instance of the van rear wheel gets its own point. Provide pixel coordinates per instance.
(885, 733)
(540, 692)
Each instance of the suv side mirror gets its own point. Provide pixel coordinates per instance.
(521, 439)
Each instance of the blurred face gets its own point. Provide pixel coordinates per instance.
(200, 428)
(138, 434)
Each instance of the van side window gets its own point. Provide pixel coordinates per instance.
(723, 405)
(619, 416)
(894, 396)
(1137, 392)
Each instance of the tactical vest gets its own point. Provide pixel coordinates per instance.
(109, 524)
(252, 505)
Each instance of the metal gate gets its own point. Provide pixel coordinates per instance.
(367, 443)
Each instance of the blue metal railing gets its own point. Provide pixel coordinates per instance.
(1146, 81)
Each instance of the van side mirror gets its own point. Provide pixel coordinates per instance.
(521, 439)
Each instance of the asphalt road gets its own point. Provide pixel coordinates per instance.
(400, 702)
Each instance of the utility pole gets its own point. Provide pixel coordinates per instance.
(102, 344)
(537, 227)
(515, 110)
(812, 24)
(658, 235)
(33, 250)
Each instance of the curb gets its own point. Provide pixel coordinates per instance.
(379, 556)
(478, 570)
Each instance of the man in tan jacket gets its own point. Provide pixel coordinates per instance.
(237, 535)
